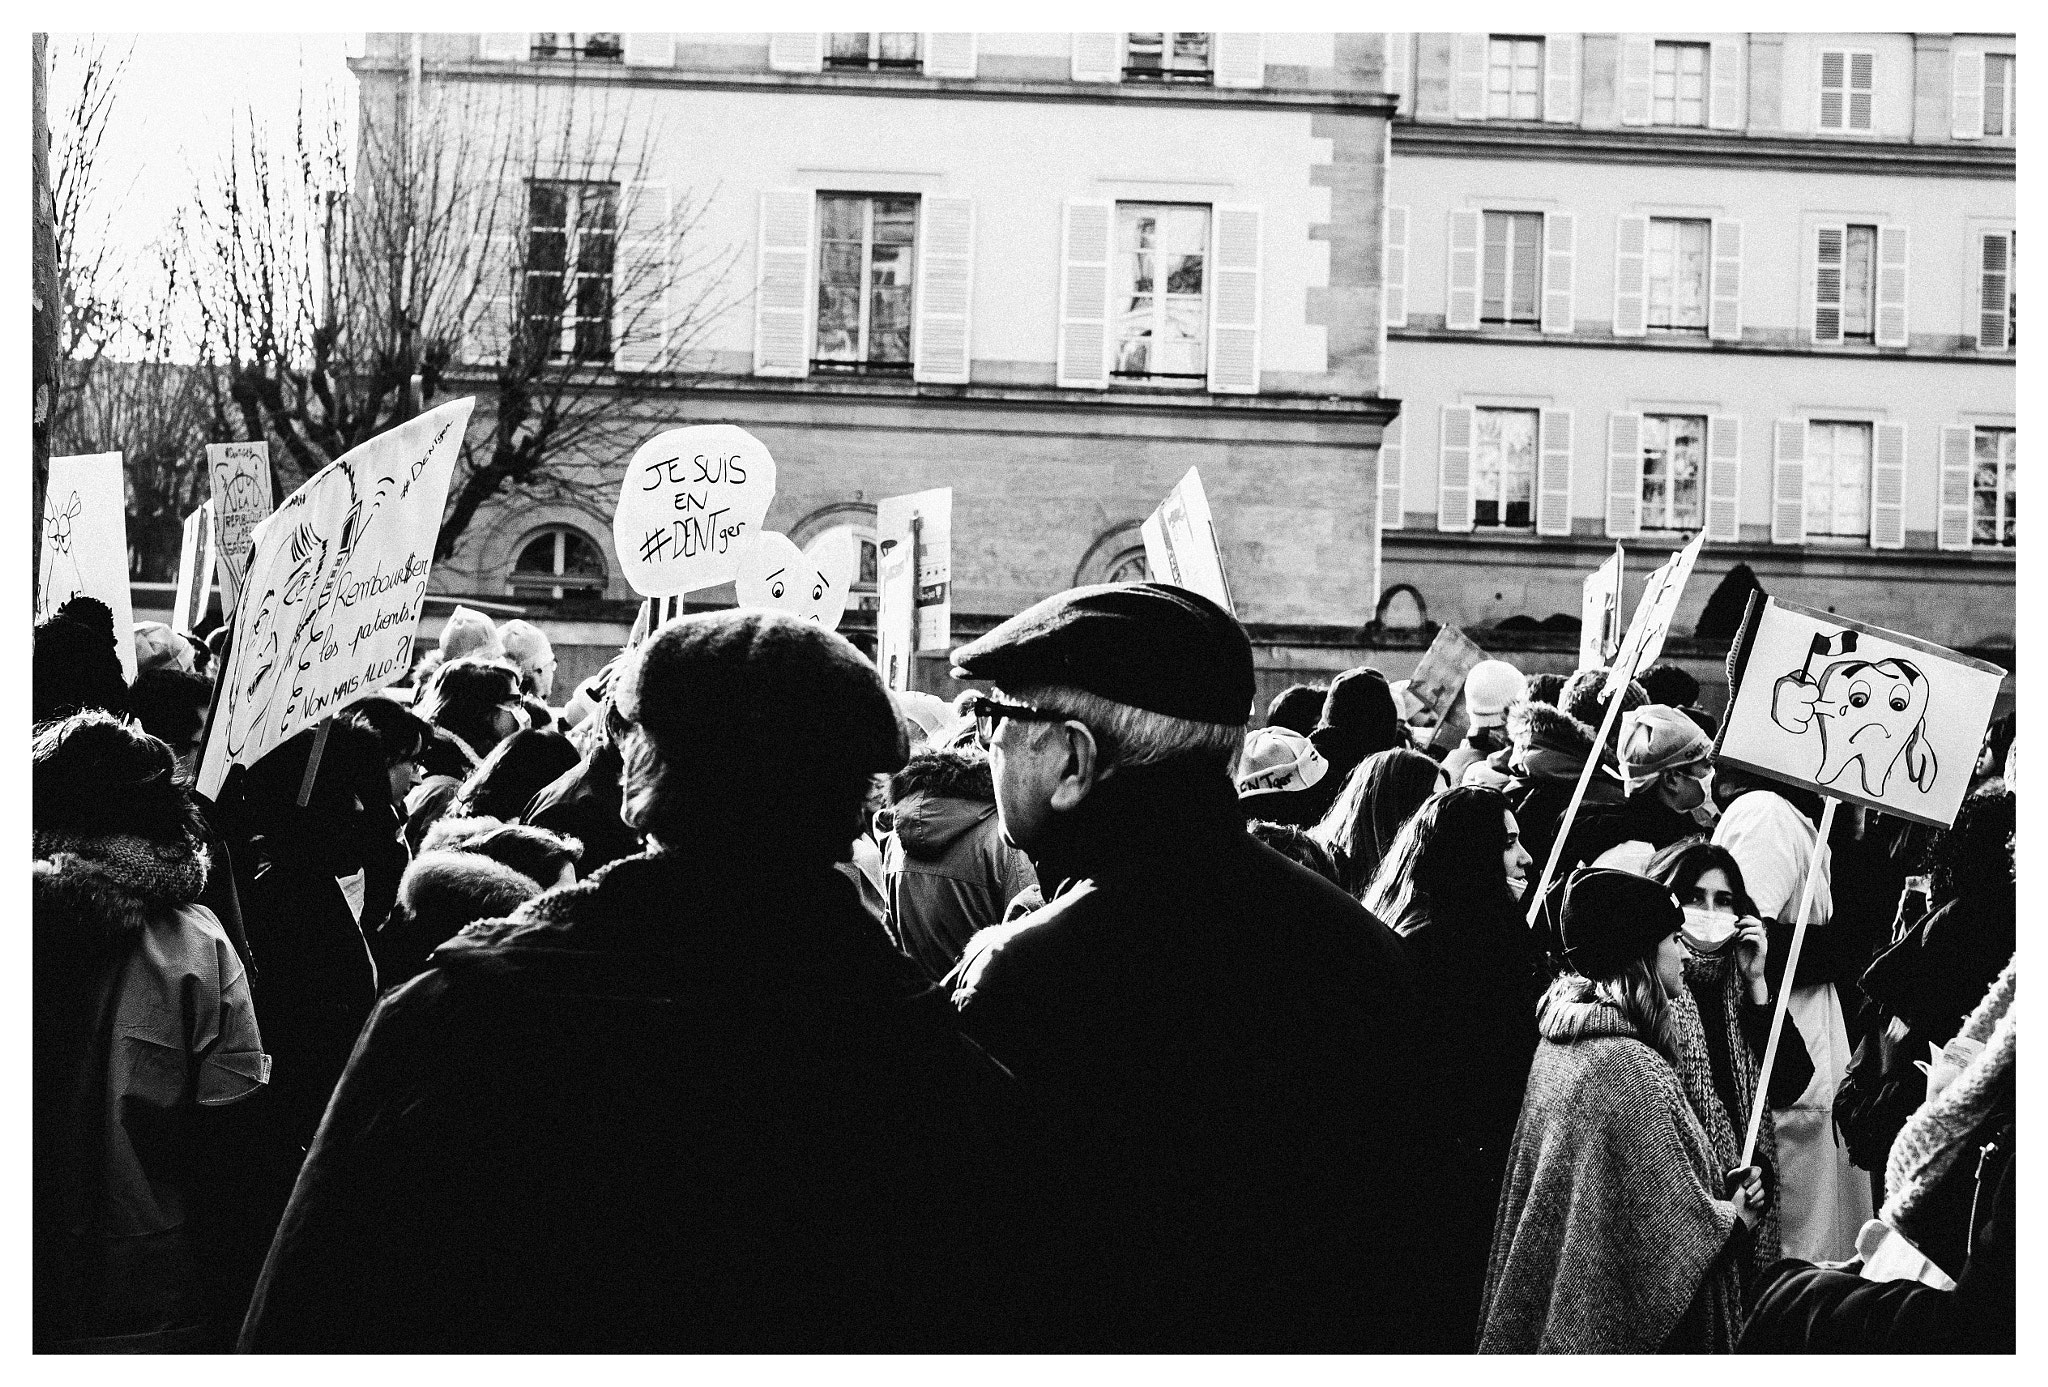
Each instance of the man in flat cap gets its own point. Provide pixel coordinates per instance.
(696, 1103)
(1220, 1038)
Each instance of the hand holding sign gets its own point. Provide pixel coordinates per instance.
(689, 496)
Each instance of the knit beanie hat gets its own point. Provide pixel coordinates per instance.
(1361, 701)
(1656, 739)
(1491, 686)
(1609, 919)
(75, 664)
(157, 646)
(469, 632)
(1279, 758)
(1581, 697)
(524, 643)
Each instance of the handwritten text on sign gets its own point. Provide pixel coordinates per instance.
(242, 497)
(688, 497)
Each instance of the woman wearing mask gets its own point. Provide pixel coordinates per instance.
(1382, 795)
(1449, 886)
(1622, 1226)
(473, 704)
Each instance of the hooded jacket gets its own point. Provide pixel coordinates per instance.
(584, 804)
(947, 872)
(1543, 768)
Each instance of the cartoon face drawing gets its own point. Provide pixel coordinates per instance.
(65, 581)
(1871, 715)
(808, 584)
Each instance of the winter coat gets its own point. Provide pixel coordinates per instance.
(1230, 1048)
(143, 1020)
(1612, 1236)
(948, 872)
(678, 1107)
(584, 804)
(1544, 773)
(446, 762)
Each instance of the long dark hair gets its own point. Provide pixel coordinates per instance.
(1680, 866)
(1447, 863)
(1383, 793)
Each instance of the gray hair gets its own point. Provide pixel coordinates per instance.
(1135, 737)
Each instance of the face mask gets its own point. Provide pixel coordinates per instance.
(1706, 931)
(1705, 812)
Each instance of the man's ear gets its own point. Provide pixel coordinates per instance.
(1079, 770)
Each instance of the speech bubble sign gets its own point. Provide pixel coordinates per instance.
(689, 496)
(775, 573)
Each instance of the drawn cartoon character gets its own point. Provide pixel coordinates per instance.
(65, 581)
(1869, 714)
(810, 584)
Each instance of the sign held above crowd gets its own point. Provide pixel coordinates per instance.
(195, 570)
(85, 544)
(242, 497)
(810, 584)
(1600, 612)
(915, 536)
(1438, 683)
(688, 498)
(1181, 545)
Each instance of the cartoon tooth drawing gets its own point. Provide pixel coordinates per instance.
(1868, 714)
(810, 584)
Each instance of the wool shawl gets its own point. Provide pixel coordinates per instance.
(1609, 1226)
(1717, 989)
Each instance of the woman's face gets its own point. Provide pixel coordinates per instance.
(1713, 891)
(1671, 963)
(1516, 859)
(404, 773)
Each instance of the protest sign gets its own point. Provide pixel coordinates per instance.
(1600, 612)
(915, 536)
(85, 544)
(809, 584)
(1438, 683)
(336, 581)
(1857, 712)
(195, 570)
(1645, 638)
(688, 497)
(242, 497)
(1181, 546)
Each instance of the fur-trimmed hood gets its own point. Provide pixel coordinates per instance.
(99, 890)
(1536, 724)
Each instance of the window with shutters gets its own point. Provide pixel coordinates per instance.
(557, 563)
(571, 242)
(1514, 78)
(1677, 279)
(1837, 479)
(873, 52)
(1847, 79)
(1503, 467)
(867, 249)
(1997, 306)
(1162, 314)
(1511, 273)
(596, 48)
(1992, 507)
(1169, 58)
(2000, 98)
(1678, 93)
(1859, 284)
(1674, 462)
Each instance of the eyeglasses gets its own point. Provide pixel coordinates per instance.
(988, 713)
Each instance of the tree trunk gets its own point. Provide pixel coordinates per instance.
(47, 306)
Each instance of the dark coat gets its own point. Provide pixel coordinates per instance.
(584, 804)
(947, 872)
(1227, 1041)
(675, 1108)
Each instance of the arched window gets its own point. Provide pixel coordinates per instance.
(1128, 567)
(1116, 556)
(556, 563)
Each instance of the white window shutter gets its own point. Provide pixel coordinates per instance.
(1085, 245)
(1724, 478)
(1561, 77)
(1632, 277)
(1966, 95)
(1393, 449)
(796, 52)
(1461, 289)
(1394, 268)
(949, 55)
(945, 289)
(1454, 469)
(1888, 486)
(1893, 257)
(1234, 300)
(1958, 445)
(650, 50)
(640, 281)
(1638, 68)
(1724, 84)
(507, 48)
(1828, 255)
(1994, 291)
(1554, 472)
(1560, 272)
(782, 284)
(1098, 57)
(1398, 71)
(496, 215)
(1788, 482)
(1468, 76)
(1624, 474)
(1240, 60)
(1724, 308)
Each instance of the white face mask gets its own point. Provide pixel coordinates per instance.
(1706, 812)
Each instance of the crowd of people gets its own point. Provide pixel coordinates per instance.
(738, 1004)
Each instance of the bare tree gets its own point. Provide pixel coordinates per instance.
(89, 268)
(506, 244)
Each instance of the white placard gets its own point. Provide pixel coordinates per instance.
(1600, 611)
(1858, 712)
(336, 583)
(688, 497)
(85, 544)
(1181, 545)
(242, 497)
(1645, 638)
(195, 570)
(916, 606)
(810, 584)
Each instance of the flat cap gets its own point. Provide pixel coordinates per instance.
(1146, 645)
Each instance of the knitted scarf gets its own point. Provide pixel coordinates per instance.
(173, 873)
(1720, 980)
(1940, 1131)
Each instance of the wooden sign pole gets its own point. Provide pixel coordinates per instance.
(1763, 1078)
(313, 761)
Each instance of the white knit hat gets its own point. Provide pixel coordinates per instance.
(1656, 739)
(1491, 685)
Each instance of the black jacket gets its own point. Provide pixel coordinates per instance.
(676, 1108)
(1227, 1043)
(584, 803)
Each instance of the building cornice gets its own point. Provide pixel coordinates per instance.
(1547, 549)
(1606, 341)
(1698, 148)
